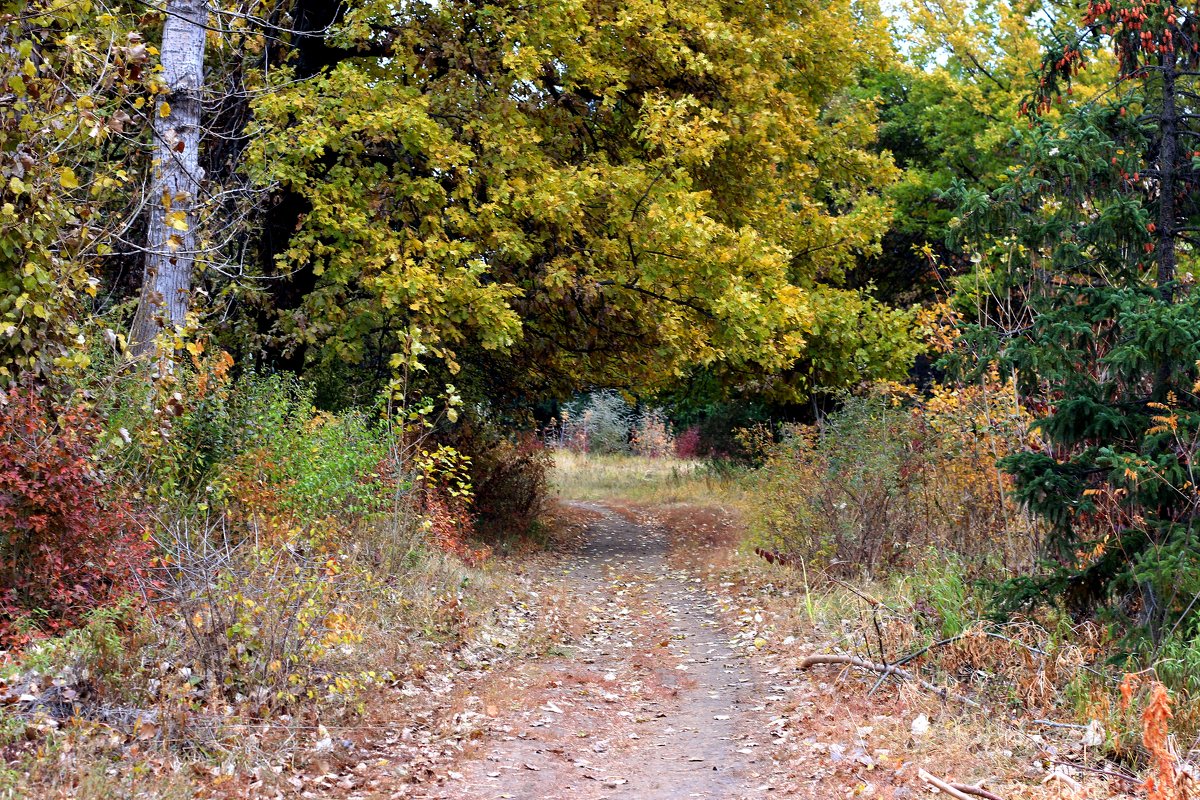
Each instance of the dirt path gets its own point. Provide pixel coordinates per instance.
(653, 702)
(682, 679)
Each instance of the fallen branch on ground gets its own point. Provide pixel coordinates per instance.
(961, 791)
(1049, 723)
(1062, 777)
(885, 670)
(991, 635)
(1096, 771)
(978, 791)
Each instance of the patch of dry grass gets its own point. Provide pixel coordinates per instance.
(582, 476)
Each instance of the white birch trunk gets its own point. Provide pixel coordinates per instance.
(176, 176)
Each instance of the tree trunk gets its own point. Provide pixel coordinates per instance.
(1168, 156)
(176, 176)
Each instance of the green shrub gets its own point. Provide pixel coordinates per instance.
(941, 582)
(837, 496)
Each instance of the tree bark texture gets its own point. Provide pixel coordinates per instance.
(175, 179)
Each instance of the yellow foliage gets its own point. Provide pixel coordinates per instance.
(877, 484)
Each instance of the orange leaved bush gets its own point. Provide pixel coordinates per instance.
(1155, 737)
(1169, 781)
(888, 478)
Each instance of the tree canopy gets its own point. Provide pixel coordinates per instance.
(1084, 295)
(602, 192)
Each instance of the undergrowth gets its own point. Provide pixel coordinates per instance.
(205, 554)
(872, 487)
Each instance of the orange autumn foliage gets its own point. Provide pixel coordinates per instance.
(449, 521)
(1155, 737)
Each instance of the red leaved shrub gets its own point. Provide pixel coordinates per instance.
(687, 444)
(450, 524)
(67, 542)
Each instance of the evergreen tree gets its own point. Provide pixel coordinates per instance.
(1084, 292)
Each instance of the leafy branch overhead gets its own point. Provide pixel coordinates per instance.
(612, 191)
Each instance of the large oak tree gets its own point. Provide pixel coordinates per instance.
(584, 191)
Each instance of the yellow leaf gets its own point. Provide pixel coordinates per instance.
(67, 179)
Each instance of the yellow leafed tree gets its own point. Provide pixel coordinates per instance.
(567, 191)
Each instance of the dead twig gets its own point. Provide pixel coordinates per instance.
(873, 602)
(1049, 723)
(939, 643)
(1108, 773)
(1062, 777)
(978, 791)
(991, 635)
(1018, 643)
(885, 670)
(914, 656)
(960, 791)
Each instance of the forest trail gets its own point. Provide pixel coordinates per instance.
(651, 702)
(680, 675)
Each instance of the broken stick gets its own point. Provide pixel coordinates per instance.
(884, 669)
(957, 790)
(978, 791)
